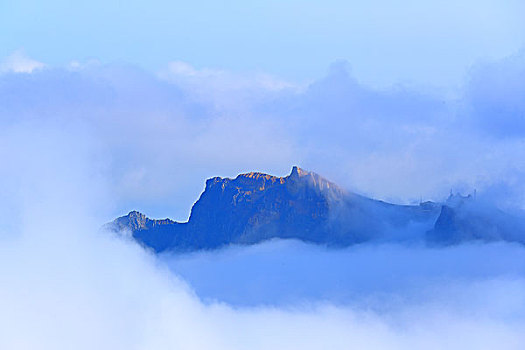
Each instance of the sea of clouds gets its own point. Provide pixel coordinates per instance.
(80, 143)
(166, 133)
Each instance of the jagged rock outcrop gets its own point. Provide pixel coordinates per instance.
(462, 218)
(255, 207)
(156, 234)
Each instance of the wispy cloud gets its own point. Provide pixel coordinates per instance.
(369, 276)
(19, 62)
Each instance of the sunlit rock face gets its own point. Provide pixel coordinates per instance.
(255, 207)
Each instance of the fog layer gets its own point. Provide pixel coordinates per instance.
(69, 137)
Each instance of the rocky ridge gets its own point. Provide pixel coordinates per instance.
(255, 207)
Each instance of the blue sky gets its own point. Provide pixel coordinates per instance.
(385, 42)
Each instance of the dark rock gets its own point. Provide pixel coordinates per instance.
(255, 207)
(462, 218)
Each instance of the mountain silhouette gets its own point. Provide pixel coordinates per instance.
(255, 207)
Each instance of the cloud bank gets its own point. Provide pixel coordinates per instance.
(294, 273)
(67, 285)
(165, 134)
(83, 143)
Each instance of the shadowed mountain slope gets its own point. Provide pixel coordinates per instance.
(462, 218)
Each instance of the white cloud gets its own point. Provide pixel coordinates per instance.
(207, 76)
(294, 273)
(18, 62)
(65, 285)
(166, 134)
(225, 91)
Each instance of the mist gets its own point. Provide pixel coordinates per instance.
(67, 284)
(366, 275)
(80, 144)
(165, 134)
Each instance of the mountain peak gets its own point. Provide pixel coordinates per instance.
(137, 219)
(136, 214)
(299, 172)
(314, 180)
(256, 181)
